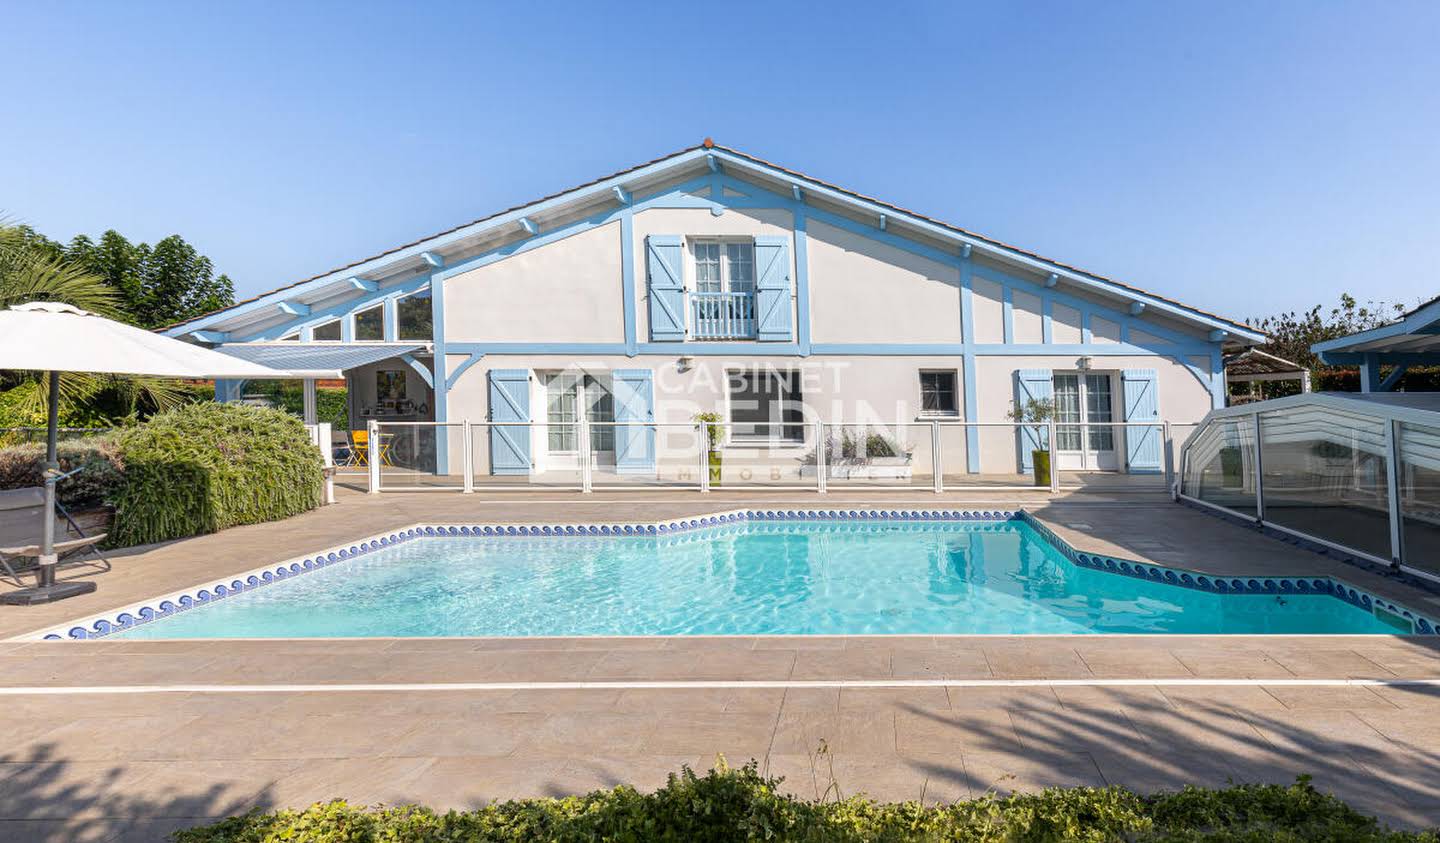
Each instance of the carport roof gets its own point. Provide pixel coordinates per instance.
(316, 360)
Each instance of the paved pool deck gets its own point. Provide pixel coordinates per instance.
(126, 740)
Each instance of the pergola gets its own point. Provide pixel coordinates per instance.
(1412, 340)
(1255, 366)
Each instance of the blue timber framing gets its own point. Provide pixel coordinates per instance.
(719, 191)
(439, 384)
(967, 359)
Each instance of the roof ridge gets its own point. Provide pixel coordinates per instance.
(709, 143)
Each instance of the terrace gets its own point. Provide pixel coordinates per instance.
(142, 736)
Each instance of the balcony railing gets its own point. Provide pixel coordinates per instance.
(722, 316)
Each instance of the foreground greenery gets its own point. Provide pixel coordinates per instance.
(205, 467)
(727, 804)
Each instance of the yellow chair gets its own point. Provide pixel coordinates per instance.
(360, 448)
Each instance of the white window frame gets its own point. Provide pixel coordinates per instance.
(727, 280)
(412, 294)
(339, 323)
(354, 318)
(955, 394)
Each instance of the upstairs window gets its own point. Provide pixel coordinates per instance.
(328, 332)
(413, 317)
(766, 406)
(724, 266)
(937, 394)
(370, 324)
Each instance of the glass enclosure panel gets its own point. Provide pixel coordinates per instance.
(1221, 464)
(413, 317)
(370, 324)
(1420, 495)
(1324, 474)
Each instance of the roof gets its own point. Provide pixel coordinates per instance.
(1413, 338)
(313, 360)
(922, 223)
(1253, 361)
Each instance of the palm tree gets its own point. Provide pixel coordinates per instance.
(29, 274)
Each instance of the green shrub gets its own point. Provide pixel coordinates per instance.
(727, 805)
(208, 466)
(96, 483)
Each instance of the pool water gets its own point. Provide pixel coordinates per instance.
(749, 578)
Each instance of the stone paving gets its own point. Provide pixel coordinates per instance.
(222, 726)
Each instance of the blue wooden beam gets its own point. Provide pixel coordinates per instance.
(1393, 379)
(882, 222)
(965, 251)
(529, 226)
(1052, 279)
(215, 337)
(1218, 335)
(621, 194)
(1137, 308)
(797, 193)
(713, 162)
(364, 284)
(293, 308)
(434, 259)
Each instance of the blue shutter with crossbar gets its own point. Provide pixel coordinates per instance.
(772, 289)
(1142, 404)
(1038, 384)
(509, 402)
(634, 393)
(666, 282)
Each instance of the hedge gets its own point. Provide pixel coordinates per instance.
(731, 805)
(204, 467)
(96, 484)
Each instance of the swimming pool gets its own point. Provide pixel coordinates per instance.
(854, 573)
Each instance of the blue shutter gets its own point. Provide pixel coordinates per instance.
(1040, 385)
(634, 393)
(509, 402)
(772, 288)
(664, 269)
(1142, 404)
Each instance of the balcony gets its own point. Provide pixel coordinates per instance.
(722, 316)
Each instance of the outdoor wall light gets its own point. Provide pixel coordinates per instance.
(684, 364)
(1083, 364)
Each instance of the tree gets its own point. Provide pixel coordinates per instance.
(31, 270)
(162, 285)
(1292, 334)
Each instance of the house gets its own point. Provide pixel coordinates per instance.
(710, 280)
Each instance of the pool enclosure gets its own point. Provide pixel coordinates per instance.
(1359, 472)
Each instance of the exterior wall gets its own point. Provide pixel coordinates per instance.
(568, 291)
(1182, 398)
(864, 291)
(880, 393)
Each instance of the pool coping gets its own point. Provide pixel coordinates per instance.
(104, 624)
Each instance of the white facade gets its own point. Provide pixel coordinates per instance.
(660, 293)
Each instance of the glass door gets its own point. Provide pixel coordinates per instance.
(566, 393)
(1084, 398)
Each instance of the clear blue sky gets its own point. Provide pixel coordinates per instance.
(1243, 157)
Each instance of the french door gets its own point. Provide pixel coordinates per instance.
(566, 395)
(1090, 399)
